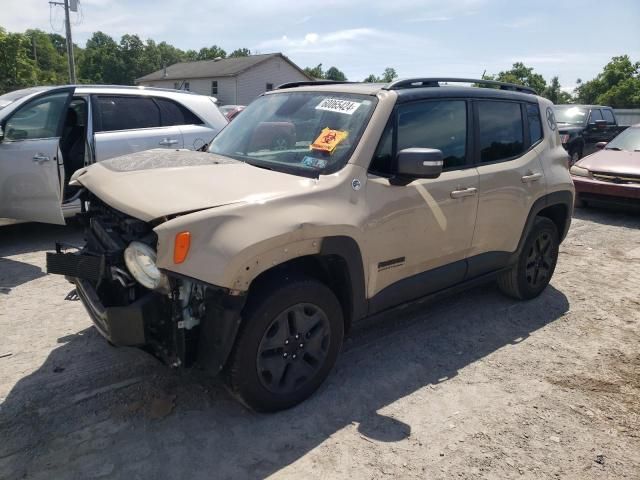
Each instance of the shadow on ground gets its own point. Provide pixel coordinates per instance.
(92, 410)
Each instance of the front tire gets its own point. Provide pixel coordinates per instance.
(291, 335)
(536, 263)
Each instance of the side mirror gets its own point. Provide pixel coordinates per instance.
(601, 145)
(418, 163)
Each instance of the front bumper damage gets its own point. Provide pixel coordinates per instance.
(189, 322)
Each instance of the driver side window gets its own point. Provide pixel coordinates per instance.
(39, 118)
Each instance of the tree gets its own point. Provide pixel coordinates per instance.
(371, 79)
(618, 85)
(211, 53)
(334, 74)
(101, 61)
(315, 72)
(522, 75)
(555, 93)
(389, 75)
(240, 52)
(17, 70)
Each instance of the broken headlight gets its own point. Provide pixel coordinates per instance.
(141, 262)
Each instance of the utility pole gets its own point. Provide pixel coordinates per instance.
(67, 25)
(72, 63)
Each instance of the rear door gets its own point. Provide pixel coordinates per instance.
(31, 168)
(510, 178)
(126, 124)
(195, 134)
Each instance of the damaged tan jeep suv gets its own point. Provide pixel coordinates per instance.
(319, 205)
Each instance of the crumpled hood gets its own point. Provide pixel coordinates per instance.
(612, 161)
(157, 183)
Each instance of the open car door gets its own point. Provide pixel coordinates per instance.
(31, 170)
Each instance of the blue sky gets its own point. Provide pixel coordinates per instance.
(569, 38)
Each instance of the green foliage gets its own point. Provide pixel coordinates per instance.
(618, 85)
(240, 52)
(334, 74)
(389, 75)
(39, 58)
(315, 72)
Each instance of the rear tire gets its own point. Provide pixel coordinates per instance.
(291, 335)
(536, 263)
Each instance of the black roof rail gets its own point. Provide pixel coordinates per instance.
(307, 83)
(435, 82)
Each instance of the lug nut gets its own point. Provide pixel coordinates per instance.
(302, 345)
(297, 336)
(285, 355)
(286, 342)
(294, 356)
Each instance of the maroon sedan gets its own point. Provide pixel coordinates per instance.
(611, 174)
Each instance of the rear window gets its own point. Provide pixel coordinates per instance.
(501, 130)
(595, 116)
(608, 116)
(125, 113)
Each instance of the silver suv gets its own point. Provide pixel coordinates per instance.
(320, 205)
(48, 133)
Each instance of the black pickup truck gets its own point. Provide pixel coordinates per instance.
(582, 126)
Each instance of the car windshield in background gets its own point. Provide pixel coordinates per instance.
(572, 115)
(628, 140)
(9, 98)
(304, 133)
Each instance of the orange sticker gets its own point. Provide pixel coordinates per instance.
(328, 140)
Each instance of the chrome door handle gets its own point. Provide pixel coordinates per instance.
(40, 158)
(168, 142)
(466, 192)
(532, 177)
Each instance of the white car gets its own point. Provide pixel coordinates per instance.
(47, 133)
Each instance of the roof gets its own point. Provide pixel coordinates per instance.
(224, 67)
(570, 105)
(413, 93)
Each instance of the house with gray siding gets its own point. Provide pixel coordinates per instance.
(233, 81)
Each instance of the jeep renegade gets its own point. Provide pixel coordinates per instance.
(322, 204)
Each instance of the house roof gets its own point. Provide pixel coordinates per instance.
(224, 67)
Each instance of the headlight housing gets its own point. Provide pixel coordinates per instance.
(140, 259)
(579, 171)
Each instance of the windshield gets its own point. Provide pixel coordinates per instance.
(304, 133)
(628, 140)
(9, 98)
(572, 115)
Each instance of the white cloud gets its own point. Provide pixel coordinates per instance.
(320, 42)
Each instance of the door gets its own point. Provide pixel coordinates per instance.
(595, 133)
(418, 235)
(31, 170)
(124, 124)
(510, 179)
(195, 134)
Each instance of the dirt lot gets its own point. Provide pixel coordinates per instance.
(476, 386)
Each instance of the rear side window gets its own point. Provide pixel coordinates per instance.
(595, 116)
(501, 130)
(438, 124)
(535, 124)
(172, 113)
(608, 116)
(126, 113)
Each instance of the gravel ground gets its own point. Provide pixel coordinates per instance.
(474, 386)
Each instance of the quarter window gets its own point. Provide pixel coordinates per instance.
(172, 113)
(439, 124)
(595, 116)
(126, 113)
(535, 125)
(214, 87)
(501, 130)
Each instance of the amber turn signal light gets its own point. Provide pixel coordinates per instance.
(181, 247)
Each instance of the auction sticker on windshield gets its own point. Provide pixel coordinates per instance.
(338, 105)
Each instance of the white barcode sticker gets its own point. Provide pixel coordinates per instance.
(338, 105)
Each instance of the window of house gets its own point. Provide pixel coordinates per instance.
(176, 85)
(125, 113)
(595, 116)
(186, 87)
(535, 124)
(214, 88)
(608, 116)
(269, 87)
(501, 130)
(172, 113)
